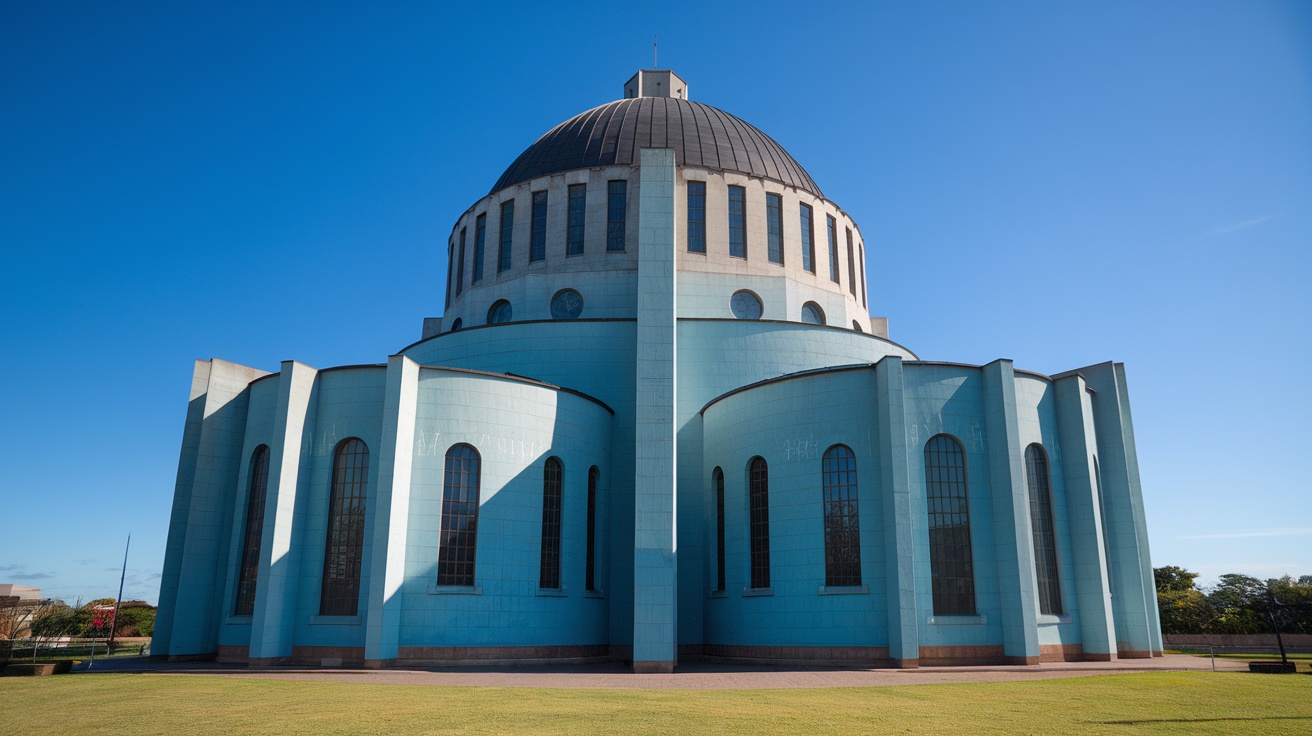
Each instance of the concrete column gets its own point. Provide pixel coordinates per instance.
(1075, 431)
(655, 594)
(382, 616)
(1134, 603)
(201, 522)
(1017, 586)
(899, 541)
(275, 595)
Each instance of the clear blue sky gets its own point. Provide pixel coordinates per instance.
(1056, 183)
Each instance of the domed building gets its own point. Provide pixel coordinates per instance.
(657, 421)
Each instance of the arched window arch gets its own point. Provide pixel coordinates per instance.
(499, 312)
(1045, 543)
(717, 478)
(951, 563)
(758, 493)
(459, 536)
(590, 562)
(812, 314)
(842, 522)
(340, 594)
(553, 480)
(250, 548)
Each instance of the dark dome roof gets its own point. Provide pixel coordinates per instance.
(700, 135)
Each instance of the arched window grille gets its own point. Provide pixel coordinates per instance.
(842, 523)
(590, 563)
(1045, 542)
(951, 563)
(340, 594)
(250, 548)
(552, 480)
(758, 491)
(457, 543)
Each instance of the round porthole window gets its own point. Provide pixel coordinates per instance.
(566, 304)
(500, 312)
(745, 305)
(812, 314)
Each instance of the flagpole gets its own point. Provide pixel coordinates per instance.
(113, 622)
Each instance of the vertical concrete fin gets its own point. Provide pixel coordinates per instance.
(1146, 578)
(275, 595)
(169, 580)
(899, 541)
(1017, 584)
(655, 596)
(207, 478)
(1134, 597)
(1075, 430)
(391, 511)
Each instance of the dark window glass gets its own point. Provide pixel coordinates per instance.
(566, 304)
(857, 326)
(250, 548)
(340, 595)
(812, 314)
(480, 240)
(832, 228)
(457, 543)
(774, 227)
(737, 222)
(842, 524)
(507, 235)
(861, 249)
(1045, 542)
(499, 312)
(950, 560)
(616, 209)
(552, 480)
(460, 265)
(745, 305)
(590, 562)
(696, 217)
(537, 247)
(758, 491)
(457, 324)
(718, 478)
(450, 272)
(851, 264)
(808, 239)
(578, 199)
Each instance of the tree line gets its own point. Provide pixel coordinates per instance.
(1237, 604)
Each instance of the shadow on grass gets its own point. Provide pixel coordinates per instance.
(1147, 721)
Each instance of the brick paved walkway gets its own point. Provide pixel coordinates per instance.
(691, 676)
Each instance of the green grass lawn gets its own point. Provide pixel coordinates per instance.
(1153, 703)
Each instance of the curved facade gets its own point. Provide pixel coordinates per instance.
(656, 420)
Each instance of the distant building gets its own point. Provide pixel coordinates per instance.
(18, 604)
(656, 420)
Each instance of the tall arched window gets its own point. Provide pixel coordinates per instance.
(717, 477)
(590, 563)
(1045, 542)
(250, 548)
(758, 491)
(553, 474)
(456, 546)
(842, 524)
(340, 595)
(951, 564)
